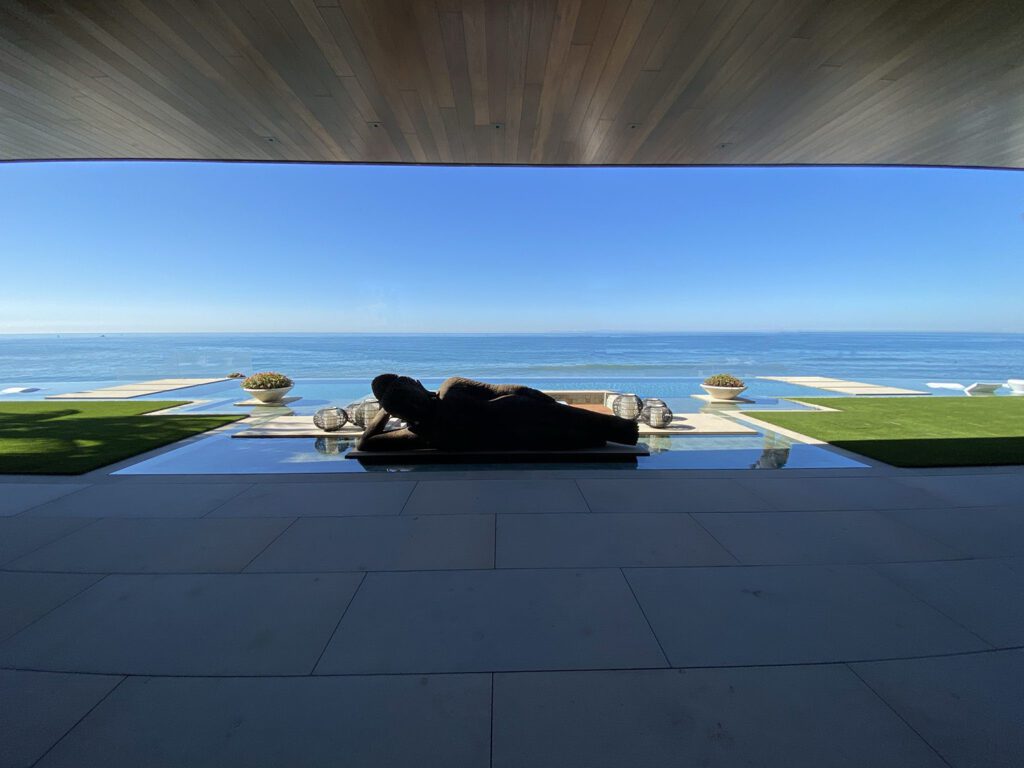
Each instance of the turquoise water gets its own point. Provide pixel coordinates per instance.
(26, 359)
(318, 393)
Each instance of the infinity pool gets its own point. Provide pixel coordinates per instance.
(220, 454)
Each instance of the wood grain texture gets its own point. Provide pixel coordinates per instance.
(931, 82)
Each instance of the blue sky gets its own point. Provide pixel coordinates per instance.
(110, 247)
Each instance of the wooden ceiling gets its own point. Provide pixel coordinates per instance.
(515, 81)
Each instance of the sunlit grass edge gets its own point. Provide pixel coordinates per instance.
(915, 431)
(70, 438)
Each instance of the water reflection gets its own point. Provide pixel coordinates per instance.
(772, 458)
(775, 453)
(658, 443)
(331, 446)
(270, 410)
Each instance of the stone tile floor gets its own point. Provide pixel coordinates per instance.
(537, 618)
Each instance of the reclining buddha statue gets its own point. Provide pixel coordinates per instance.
(467, 415)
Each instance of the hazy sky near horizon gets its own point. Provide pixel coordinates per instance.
(190, 247)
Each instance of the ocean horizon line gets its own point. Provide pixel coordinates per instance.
(99, 334)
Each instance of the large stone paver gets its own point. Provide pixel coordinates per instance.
(837, 493)
(766, 538)
(219, 624)
(38, 708)
(1013, 563)
(978, 532)
(21, 535)
(969, 708)
(135, 499)
(495, 497)
(17, 497)
(789, 614)
(605, 540)
(672, 495)
(989, 490)
(523, 618)
(26, 597)
(985, 596)
(145, 545)
(318, 499)
(376, 722)
(771, 716)
(382, 544)
(465, 621)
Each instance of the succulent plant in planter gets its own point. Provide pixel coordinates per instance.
(723, 380)
(268, 387)
(723, 386)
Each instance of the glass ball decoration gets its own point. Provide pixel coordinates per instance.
(362, 413)
(655, 413)
(627, 407)
(330, 419)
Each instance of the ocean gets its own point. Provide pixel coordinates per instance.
(576, 356)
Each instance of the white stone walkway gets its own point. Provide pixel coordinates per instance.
(135, 389)
(535, 618)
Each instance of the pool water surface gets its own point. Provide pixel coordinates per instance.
(218, 453)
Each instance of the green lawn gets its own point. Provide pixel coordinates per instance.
(916, 431)
(71, 438)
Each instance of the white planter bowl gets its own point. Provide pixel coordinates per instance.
(269, 395)
(723, 393)
(1016, 386)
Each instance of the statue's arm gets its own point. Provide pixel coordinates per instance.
(375, 438)
(377, 424)
(393, 440)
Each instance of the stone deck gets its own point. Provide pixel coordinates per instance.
(519, 618)
(136, 389)
(844, 387)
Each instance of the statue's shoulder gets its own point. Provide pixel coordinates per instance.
(462, 385)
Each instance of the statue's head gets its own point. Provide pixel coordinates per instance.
(404, 397)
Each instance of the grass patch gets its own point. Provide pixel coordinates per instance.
(71, 438)
(916, 431)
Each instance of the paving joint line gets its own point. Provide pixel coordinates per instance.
(540, 670)
(874, 567)
(892, 709)
(408, 498)
(92, 522)
(48, 501)
(850, 564)
(714, 538)
(281, 533)
(583, 496)
(61, 604)
(228, 500)
(661, 648)
(78, 722)
(337, 626)
(490, 759)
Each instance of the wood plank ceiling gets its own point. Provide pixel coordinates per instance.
(515, 81)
